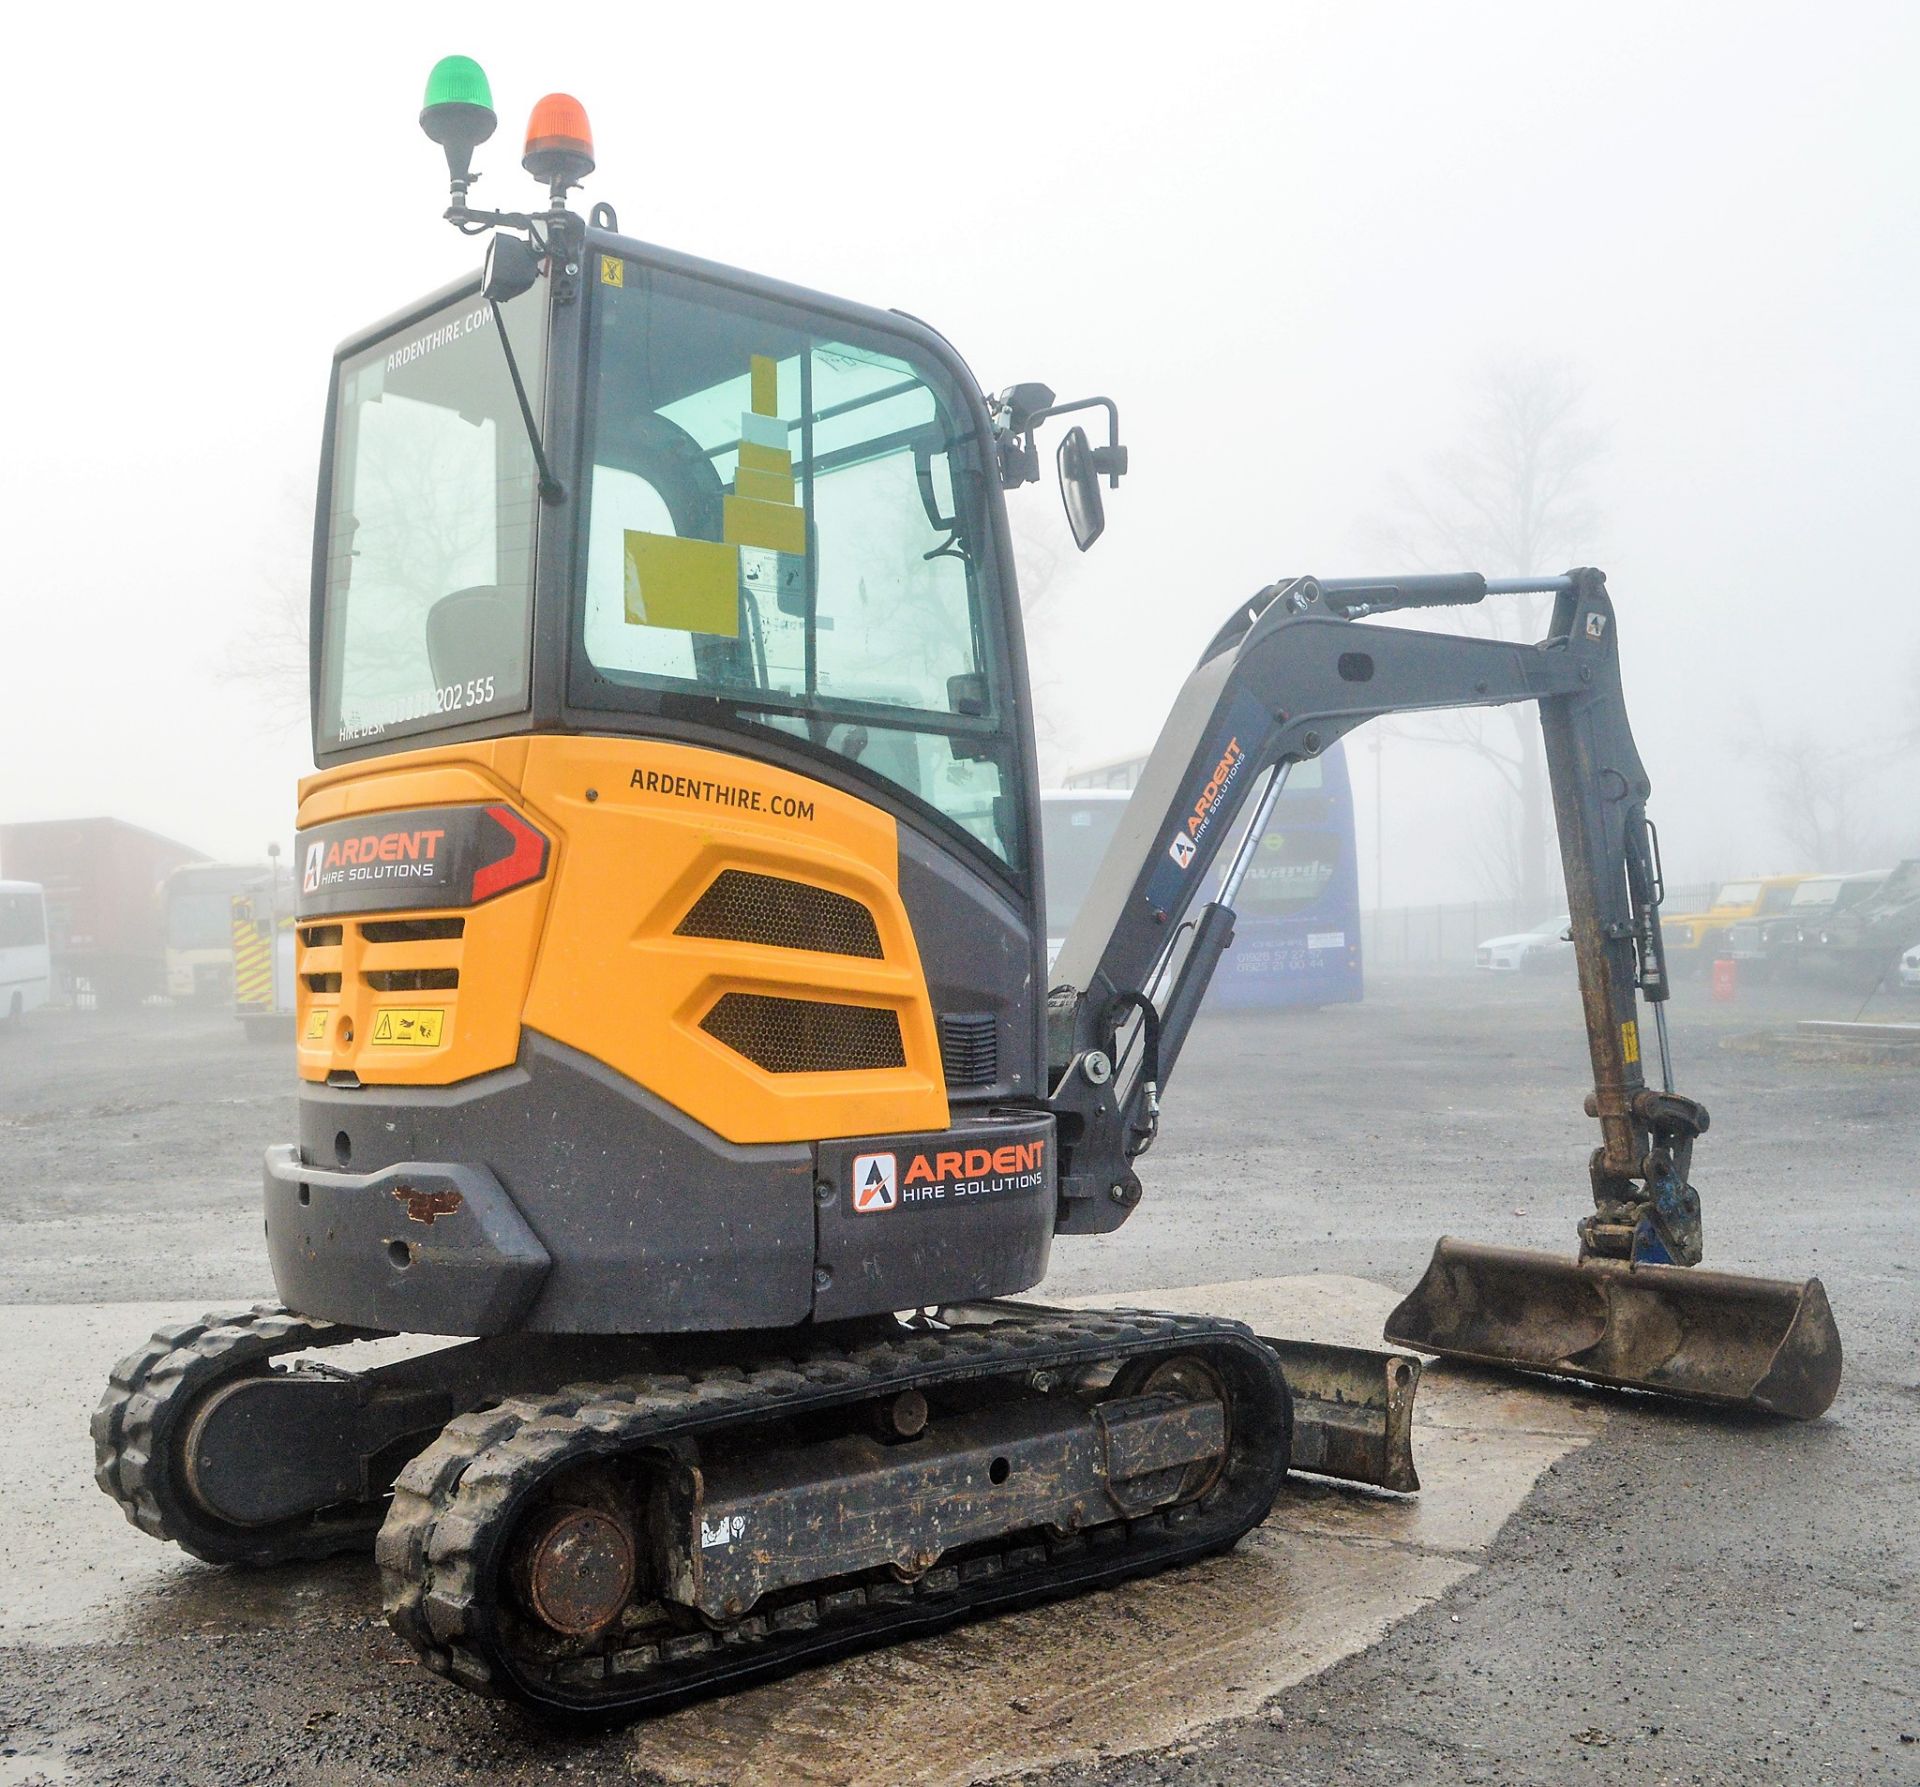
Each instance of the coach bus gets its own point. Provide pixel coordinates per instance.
(1076, 826)
(25, 966)
(1296, 937)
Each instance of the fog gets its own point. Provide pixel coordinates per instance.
(1291, 242)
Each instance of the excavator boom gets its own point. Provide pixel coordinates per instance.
(1290, 673)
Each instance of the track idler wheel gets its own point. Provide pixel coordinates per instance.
(1184, 1379)
(575, 1567)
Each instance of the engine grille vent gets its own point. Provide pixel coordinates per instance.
(969, 1048)
(742, 907)
(411, 980)
(806, 1035)
(412, 930)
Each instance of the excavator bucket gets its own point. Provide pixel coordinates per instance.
(1760, 1343)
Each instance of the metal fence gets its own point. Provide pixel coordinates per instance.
(1438, 936)
(1447, 936)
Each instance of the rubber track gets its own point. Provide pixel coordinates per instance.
(151, 1396)
(456, 1505)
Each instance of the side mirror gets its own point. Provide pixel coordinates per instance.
(511, 267)
(1080, 488)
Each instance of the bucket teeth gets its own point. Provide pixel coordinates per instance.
(1761, 1343)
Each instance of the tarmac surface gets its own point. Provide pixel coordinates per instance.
(1589, 1587)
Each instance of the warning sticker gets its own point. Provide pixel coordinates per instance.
(876, 1183)
(1630, 1041)
(613, 270)
(400, 1027)
(317, 1023)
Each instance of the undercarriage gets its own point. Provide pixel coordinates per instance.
(689, 1518)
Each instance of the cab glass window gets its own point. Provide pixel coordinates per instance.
(23, 919)
(792, 523)
(430, 531)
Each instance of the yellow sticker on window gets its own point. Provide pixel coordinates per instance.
(317, 1023)
(765, 487)
(613, 270)
(1630, 1042)
(779, 527)
(765, 459)
(408, 1027)
(690, 586)
(763, 384)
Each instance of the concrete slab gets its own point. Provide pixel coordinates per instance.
(75, 1569)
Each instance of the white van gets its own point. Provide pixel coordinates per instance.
(26, 967)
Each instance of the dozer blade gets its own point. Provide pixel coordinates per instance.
(1760, 1343)
(1352, 1412)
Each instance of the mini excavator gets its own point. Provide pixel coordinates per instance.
(670, 1037)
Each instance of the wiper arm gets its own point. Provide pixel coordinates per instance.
(550, 487)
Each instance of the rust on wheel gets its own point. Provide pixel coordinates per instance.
(575, 1569)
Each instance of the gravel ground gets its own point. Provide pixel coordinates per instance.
(1688, 1599)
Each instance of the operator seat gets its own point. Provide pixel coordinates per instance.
(682, 474)
(479, 631)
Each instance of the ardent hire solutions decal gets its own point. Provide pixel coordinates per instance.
(1240, 733)
(899, 1178)
(428, 856)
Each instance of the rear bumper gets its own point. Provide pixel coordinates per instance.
(558, 1197)
(422, 1247)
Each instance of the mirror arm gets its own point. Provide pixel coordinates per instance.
(1112, 458)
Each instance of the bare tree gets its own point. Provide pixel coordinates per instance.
(1045, 571)
(266, 652)
(1510, 499)
(1822, 798)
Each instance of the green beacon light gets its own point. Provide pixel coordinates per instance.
(458, 115)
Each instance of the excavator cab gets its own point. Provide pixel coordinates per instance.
(769, 518)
